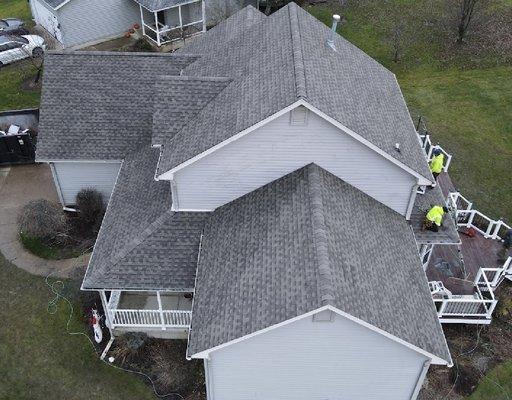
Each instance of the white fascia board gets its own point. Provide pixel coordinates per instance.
(79, 161)
(62, 5)
(168, 175)
(435, 359)
(101, 228)
(420, 178)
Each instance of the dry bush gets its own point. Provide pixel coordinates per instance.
(91, 209)
(130, 347)
(172, 370)
(41, 219)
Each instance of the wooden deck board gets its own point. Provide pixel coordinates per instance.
(476, 252)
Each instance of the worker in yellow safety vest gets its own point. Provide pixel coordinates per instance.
(437, 162)
(434, 218)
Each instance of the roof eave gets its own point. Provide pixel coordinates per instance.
(436, 360)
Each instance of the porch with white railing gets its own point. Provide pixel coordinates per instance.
(178, 22)
(130, 310)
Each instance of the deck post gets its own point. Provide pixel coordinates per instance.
(161, 311)
(104, 302)
(181, 19)
(142, 21)
(203, 11)
(499, 224)
(157, 28)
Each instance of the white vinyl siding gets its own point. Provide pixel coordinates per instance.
(87, 21)
(72, 177)
(308, 360)
(46, 17)
(279, 148)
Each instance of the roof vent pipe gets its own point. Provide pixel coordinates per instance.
(330, 39)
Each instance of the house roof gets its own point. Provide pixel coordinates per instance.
(157, 5)
(55, 4)
(99, 105)
(447, 233)
(278, 60)
(295, 245)
(142, 244)
(178, 99)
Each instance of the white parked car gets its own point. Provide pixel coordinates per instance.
(13, 48)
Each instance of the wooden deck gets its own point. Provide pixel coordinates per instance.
(445, 264)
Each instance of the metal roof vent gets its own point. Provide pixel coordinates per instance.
(330, 39)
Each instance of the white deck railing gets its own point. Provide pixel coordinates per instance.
(162, 319)
(428, 149)
(468, 217)
(477, 308)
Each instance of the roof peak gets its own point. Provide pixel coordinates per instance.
(298, 59)
(325, 281)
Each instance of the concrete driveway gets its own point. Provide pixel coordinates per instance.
(19, 185)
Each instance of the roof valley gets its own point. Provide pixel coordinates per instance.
(325, 281)
(298, 59)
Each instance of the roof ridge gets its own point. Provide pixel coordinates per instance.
(298, 59)
(325, 284)
(140, 237)
(194, 78)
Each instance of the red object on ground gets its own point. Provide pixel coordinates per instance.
(136, 26)
(92, 321)
(127, 34)
(471, 232)
(132, 31)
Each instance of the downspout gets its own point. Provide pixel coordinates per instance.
(57, 184)
(421, 378)
(412, 200)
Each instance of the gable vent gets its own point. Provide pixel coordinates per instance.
(299, 116)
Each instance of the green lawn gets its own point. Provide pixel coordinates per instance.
(496, 385)
(17, 9)
(468, 111)
(38, 360)
(12, 96)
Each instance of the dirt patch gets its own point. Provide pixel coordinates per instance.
(30, 84)
(164, 362)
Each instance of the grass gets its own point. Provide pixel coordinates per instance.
(12, 96)
(39, 359)
(38, 248)
(467, 110)
(16, 9)
(496, 385)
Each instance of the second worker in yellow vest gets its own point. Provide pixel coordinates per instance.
(437, 163)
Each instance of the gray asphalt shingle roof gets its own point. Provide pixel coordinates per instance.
(142, 244)
(282, 58)
(99, 105)
(295, 245)
(157, 5)
(178, 99)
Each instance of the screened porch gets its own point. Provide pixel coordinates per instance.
(167, 21)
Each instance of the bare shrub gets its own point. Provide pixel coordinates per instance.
(171, 369)
(91, 209)
(130, 347)
(41, 219)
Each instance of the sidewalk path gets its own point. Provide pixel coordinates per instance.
(19, 185)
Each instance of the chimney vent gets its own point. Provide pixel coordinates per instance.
(330, 39)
